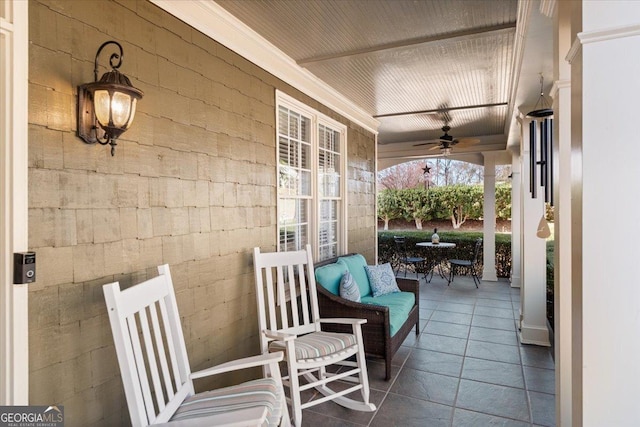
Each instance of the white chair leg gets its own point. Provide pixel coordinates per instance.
(295, 400)
(364, 376)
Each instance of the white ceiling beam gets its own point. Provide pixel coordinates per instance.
(455, 36)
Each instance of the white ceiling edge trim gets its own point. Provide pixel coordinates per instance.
(609, 34)
(522, 25)
(215, 22)
(548, 7)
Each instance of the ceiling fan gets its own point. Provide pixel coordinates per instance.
(446, 142)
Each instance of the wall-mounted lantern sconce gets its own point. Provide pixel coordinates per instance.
(106, 108)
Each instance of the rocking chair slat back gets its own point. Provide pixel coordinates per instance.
(291, 303)
(159, 384)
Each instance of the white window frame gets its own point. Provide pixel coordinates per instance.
(317, 119)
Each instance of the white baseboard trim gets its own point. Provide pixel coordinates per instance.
(489, 275)
(537, 335)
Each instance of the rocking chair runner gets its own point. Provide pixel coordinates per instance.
(289, 320)
(159, 386)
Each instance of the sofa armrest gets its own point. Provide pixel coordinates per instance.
(409, 285)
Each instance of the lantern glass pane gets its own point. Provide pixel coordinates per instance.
(134, 102)
(120, 109)
(101, 106)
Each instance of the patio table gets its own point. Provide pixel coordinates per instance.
(436, 257)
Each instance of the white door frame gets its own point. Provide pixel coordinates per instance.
(14, 72)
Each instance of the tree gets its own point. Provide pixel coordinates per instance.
(463, 202)
(388, 206)
(415, 206)
(404, 175)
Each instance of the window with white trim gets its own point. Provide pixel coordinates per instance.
(311, 164)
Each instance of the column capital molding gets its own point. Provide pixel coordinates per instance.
(609, 34)
(575, 48)
(559, 84)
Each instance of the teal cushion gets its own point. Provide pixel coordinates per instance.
(329, 276)
(399, 303)
(381, 279)
(355, 264)
(349, 288)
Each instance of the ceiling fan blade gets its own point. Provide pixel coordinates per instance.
(433, 141)
(435, 147)
(467, 142)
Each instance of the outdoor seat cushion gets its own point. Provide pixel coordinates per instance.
(264, 392)
(329, 276)
(317, 344)
(356, 264)
(399, 303)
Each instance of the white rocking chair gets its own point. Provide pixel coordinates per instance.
(289, 320)
(158, 381)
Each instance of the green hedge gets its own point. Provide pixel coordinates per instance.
(464, 241)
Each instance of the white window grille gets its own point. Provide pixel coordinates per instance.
(311, 164)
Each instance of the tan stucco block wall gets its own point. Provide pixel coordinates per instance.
(192, 184)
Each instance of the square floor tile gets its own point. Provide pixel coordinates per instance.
(489, 371)
(405, 411)
(543, 408)
(455, 307)
(486, 302)
(400, 356)
(464, 418)
(493, 295)
(497, 336)
(426, 386)
(450, 317)
(493, 351)
(376, 372)
(442, 344)
(506, 313)
(425, 313)
(334, 410)
(538, 379)
(536, 356)
(428, 304)
(493, 399)
(494, 322)
(448, 329)
(436, 362)
(313, 419)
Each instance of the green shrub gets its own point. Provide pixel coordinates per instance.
(464, 241)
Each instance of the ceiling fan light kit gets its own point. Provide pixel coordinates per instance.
(446, 142)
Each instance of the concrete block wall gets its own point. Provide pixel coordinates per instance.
(192, 184)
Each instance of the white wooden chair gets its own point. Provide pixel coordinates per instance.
(158, 381)
(289, 320)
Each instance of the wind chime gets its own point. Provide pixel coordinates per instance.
(541, 135)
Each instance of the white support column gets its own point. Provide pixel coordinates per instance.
(516, 221)
(533, 319)
(14, 320)
(489, 219)
(610, 187)
(563, 308)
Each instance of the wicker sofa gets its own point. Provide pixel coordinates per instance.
(387, 326)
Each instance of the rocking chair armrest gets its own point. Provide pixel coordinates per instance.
(280, 336)
(343, 321)
(234, 365)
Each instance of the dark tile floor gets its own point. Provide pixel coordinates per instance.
(466, 368)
